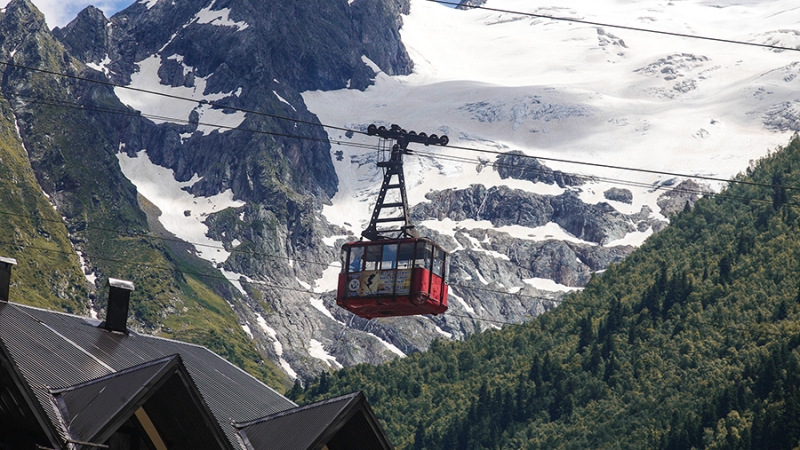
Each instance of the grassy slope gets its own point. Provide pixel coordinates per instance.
(29, 221)
(692, 341)
(75, 163)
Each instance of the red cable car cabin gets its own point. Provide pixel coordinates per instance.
(388, 278)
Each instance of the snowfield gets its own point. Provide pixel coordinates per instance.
(557, 89)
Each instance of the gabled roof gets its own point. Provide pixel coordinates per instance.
(345, 422)
(90, 409)
(49, 352)
(78, 383)
(94, 410)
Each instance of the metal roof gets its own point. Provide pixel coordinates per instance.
(54, 350)
(89, 409)
(340, 423)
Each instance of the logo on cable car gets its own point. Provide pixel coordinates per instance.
(354, 284)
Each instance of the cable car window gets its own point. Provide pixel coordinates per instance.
(389, 256)
(438, 261)
(446, 268)
(405, 255)
(423, 257)
(356, 256)
(373, 257)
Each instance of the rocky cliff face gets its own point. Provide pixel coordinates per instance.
(253, 57)
(210, 195)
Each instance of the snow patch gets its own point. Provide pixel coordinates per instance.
(331, 240)
(148, 3)
(219, 18)
(247, 330)
(182, 214)
(545, 232)
(375, 68)
(103, 66)
(316, 350)
(442, 332)
(635, 238)
(329, 280)
(476, 245)
(462, 302)
(162, 109)
(235, 279)
(392, 348)
(92, 311)
(319, 305)
(287, 368)
(545, 284)
(276, 345)
(303, 283)
(90, 277)
(283, 100)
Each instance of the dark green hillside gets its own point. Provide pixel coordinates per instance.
(691, 342)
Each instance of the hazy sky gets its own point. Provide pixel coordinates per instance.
(60, 12)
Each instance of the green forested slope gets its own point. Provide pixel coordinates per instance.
(692, 341)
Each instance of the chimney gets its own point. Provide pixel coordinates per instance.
(5, 276)
(119, 294)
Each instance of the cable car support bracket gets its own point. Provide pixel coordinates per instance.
(394, 167)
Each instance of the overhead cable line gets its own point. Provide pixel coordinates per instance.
(565, 301)
(79, 106)
(273, 256)
(76, 105)
(168, 239)
(56, 102)
(621, 27)
(168, 269)
(631, 169)
(589, 177)
(450, 3)
(426, 154)
(172, 96)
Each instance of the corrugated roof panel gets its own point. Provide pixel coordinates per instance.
(206, 367)
(89, 408)
(297, 429)
(43, 357)
(53, 360)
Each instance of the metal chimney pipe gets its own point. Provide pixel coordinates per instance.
(5, 276)
(119, 294)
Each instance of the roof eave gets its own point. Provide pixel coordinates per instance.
(27, 393)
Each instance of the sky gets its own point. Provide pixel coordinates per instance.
(60, 12)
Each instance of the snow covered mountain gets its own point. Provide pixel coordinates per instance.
(246, 198)
(569, 91)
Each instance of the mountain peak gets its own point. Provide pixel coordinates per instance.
(87, 36)
(22, 16)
